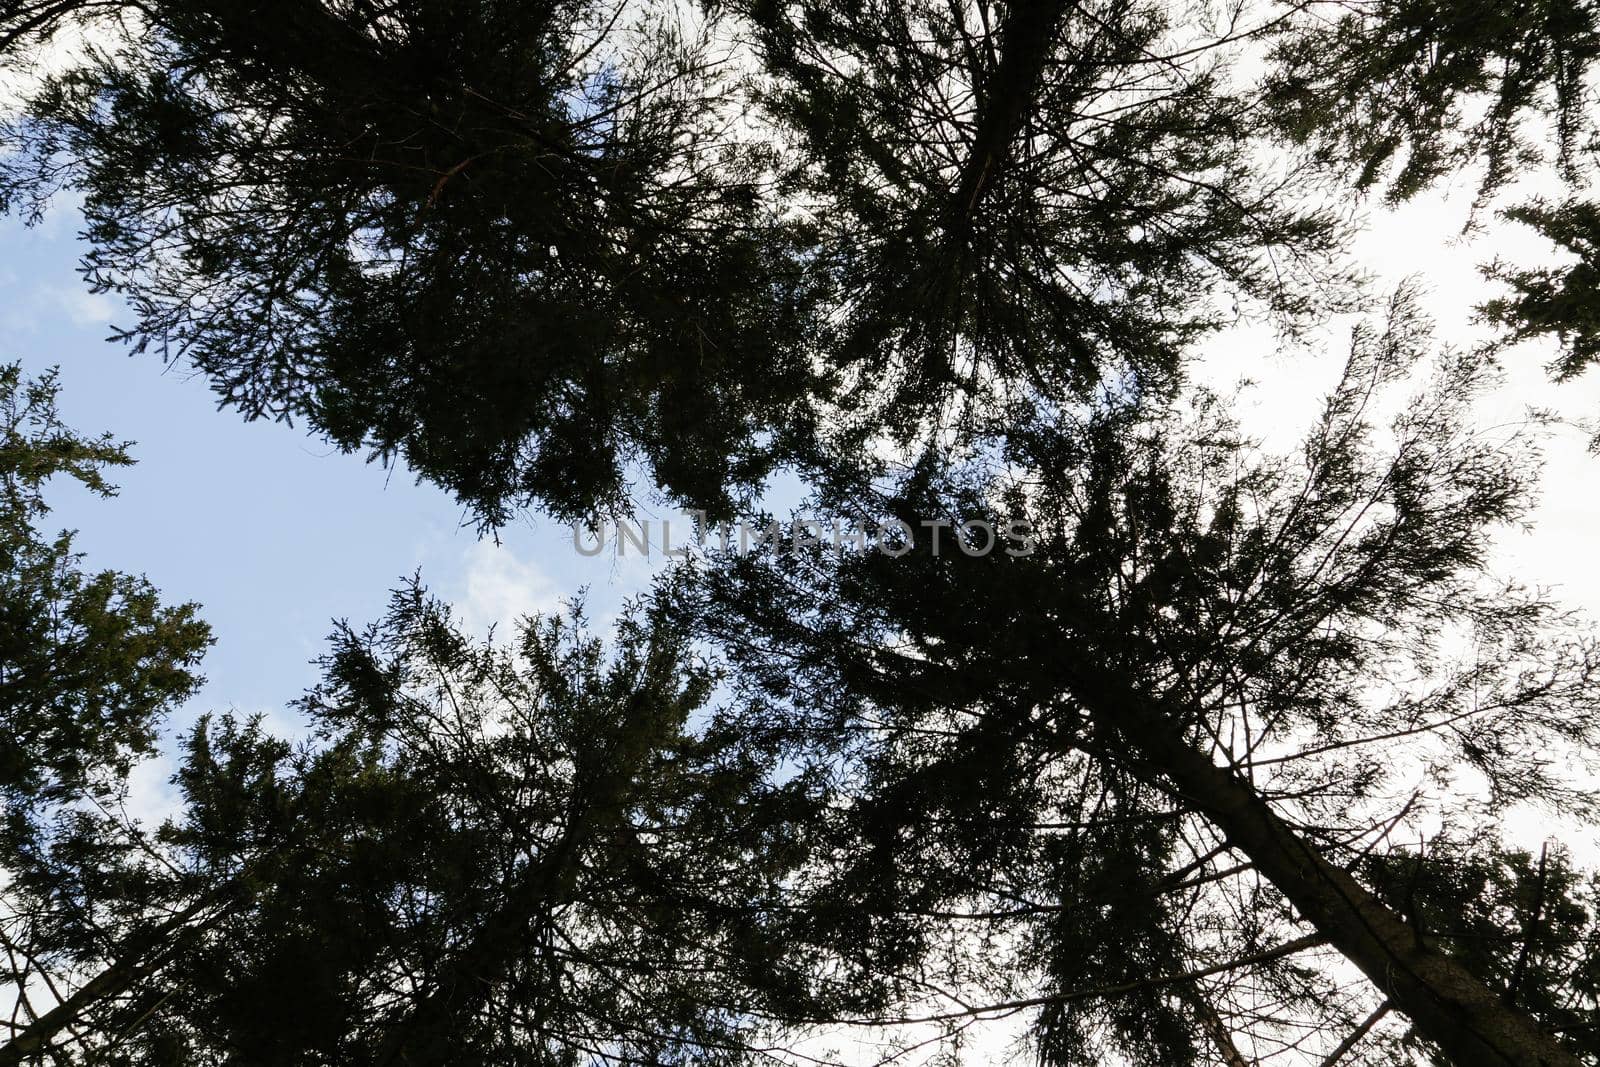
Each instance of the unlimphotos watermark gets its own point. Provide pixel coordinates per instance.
(892, 537)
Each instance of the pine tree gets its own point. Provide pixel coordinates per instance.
(521, 246)
(1144, 781)
(1026, 200)
(91, 663)
(1405, 93)
(1554, 301)
(1409, 91)
(511, 244)
(1257, 670)
(521, 852)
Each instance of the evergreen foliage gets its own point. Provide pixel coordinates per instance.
(1219, 683)
(1221, 770)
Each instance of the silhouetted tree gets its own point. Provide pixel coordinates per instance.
(1028, 198)
(1557, 301)
(525, 852)
(1408, 92)
(1131, 781)
(89, 661)
(523, 245)
(90, 665)
(511, 243)
(1262, 668)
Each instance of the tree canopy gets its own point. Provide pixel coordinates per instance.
(1225, 675)
(1217, 770)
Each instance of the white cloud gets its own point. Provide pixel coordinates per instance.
(84, 308)
(497, 588)
(152, 798)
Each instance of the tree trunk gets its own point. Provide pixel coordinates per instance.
(142, 959)
(425, 1034)
(1006, 97)
(1448, 1005)
(1214, 1027)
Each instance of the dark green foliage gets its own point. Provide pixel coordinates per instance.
(1563, 301)
(536, 852)
(1319, 623)
(1404, 94)
(1117, 783)
(520, 246)
(505, 242)
(90, 665)
(1408, 91)
(1024, 197)
(1526, 922)
(1118, 921)
(90, 662)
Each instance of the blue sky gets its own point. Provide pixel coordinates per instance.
(274, 533)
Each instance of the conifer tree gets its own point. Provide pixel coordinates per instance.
(1404, 93)
(1147, 781)
(91, 664)
(1266, 670)
(520, 246)
(508, 243)
(520, 852)
(1025, 200)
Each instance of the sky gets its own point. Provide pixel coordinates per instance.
(273, 533)
(276, 534)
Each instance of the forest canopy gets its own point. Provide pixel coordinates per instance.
(1222, 769)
